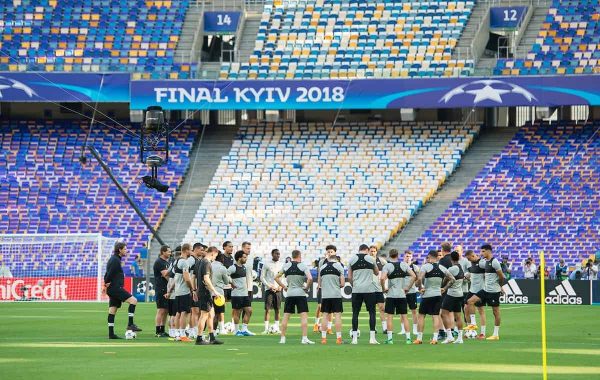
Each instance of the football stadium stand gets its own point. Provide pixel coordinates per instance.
(568, 43)
(540, 193)
(317, 39)
(135, 36)
(306, 185)
(46, 189)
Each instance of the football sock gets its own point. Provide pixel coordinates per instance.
(473, 321)
(236, 327)
(220, 326)
(372, 320)
(355, 320)
(407, 335)
(483, 330)
(211, 336)
(415, 331)
(338, 334)
(372, 335)
(390, 335)
(304, 338)
(131, 313)
(448, 333)
(420, 336)
(162, 329)
(323, 334)
(402, 331)
(496, 330)
(317, 320)
(157, 330)
(244, 327)
(460, 334)
(435, 335)
(266, 325)
(276, 324)
(329, 325)
(111, 324)
(384, 325)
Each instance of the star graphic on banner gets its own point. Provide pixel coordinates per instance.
(487, 92)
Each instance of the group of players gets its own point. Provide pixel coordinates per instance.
(452, 288)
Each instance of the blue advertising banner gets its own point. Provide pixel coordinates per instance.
(507, 17)
(64, 87)
(221, 22)
(368, 93)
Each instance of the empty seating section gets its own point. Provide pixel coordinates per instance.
(44, 188)
(540, 193)
(356, 39)
(137, 36)
(303, 186)
(568, 43)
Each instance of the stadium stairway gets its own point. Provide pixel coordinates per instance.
(204, 160)
(248, 40)
(468, 34)
(188, 32)
(540, 12)
(489, 143)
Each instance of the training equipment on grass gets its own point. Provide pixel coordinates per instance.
(130, 334)
(54, 267)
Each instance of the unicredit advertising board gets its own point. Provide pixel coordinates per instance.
(51, 288)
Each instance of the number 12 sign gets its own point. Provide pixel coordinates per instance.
(221, 22)
(507, 17)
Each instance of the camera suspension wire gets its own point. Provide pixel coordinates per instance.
(69, 93)
(87, 136)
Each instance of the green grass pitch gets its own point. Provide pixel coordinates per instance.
(68, 341)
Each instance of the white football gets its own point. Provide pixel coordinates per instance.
(130, 334)
(357, 333)
(228, 328)
(470, 334)
(273, 330)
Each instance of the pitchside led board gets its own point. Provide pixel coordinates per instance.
(507, 17)
(221, 22)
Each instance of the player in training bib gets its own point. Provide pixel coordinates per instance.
(161, 279)
(492, 287)
(411, 295)
(475, 274)
(331, 280)
(430, 282)
(221, 280)
(296, 274)
(452, 303)
(240, 300)
(379, 298)
(395, 272)
(361, 272)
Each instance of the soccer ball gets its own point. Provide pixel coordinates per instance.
(471, 334)
(130, 334)
(273, 330)
(357, 333)
(228, 328)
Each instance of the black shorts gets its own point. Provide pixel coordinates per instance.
(430, 305)
(453, 304)
(117, 297)
(396, 306)
(469, 295)
(238, 303)
(332, 305)
(194, 303)
(411, 300)
(272, 300)
(161, 301)
(319, 296)
(184, 303)
(219, 309)
(172, 307)
(298, 304)
(367, 298)
(227, 294)
(379, 298)
(205, 302)
(489, 299)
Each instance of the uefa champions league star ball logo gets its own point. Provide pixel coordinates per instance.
(11, 84)
(488, 89)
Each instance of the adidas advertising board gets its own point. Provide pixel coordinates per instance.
(524, 292)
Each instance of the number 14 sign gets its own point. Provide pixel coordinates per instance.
(221, 22)
(507, 17)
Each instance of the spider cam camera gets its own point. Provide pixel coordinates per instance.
(154, 145)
